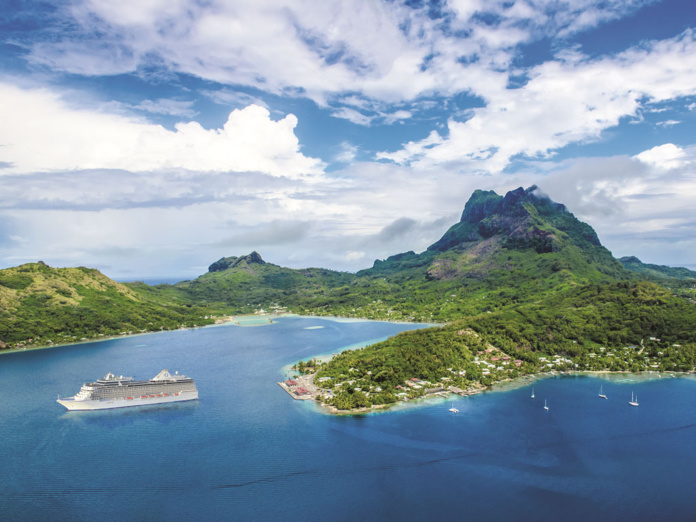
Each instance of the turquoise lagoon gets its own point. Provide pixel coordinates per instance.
(246, 451)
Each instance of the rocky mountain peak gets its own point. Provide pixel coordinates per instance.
(523, 218)
(225, 263)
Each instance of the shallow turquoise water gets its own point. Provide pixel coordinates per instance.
(246, 451)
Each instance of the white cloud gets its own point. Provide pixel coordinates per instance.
(395, 116)
(190, 219)
(348, 153)
(413, 150)
(359, 118)
(40, 133)
(353, 116)
(233, 98)
(177, 222)
(181, 108)
(564, 102)
(80, 186)
(384, 50)
(668, 123)
(667, 156)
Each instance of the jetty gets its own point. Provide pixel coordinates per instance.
(301, 388)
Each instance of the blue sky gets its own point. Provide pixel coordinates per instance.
(148, 138)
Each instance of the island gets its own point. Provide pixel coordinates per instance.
(519, 287)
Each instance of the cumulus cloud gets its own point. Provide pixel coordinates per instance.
(189, 219)
(566, 101)
(179, 222)
(41, 133)
(385, 50)
(667, 156)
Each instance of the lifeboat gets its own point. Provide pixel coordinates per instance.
(150, 396)
(129, 398)
(166, 395)
(159, 394)
(143, 396)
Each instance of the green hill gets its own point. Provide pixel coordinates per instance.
(41, 305)
(248, 283)
(622, 326)
(634, 264)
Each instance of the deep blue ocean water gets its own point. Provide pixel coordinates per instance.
(247, 451)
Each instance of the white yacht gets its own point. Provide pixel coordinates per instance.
(634, 400)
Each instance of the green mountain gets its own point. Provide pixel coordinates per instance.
(634, 264)
(525, 288)
(505, 250)
(41, 305)
(248, 283)
(510, 242)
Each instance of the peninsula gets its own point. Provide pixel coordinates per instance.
(526, 289)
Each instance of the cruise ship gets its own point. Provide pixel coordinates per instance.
(120, 392)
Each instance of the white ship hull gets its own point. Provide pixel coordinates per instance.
(106, 404)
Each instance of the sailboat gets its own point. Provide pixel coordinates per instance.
(634, 401)
(601, 395)
(453, 409)
(532, 393)
(545, 406)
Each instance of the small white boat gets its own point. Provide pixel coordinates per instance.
(634, 400)
(601, 395)
(532, 393)
(545, 406)
(453, 409)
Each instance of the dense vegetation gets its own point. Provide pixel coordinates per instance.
(40, 305)
(622, 326)
(634, 264)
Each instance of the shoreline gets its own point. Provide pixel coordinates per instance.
(229, 320)
(498, 386)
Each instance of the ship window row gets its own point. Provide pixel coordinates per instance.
(123, 392)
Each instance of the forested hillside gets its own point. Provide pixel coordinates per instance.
(41, 305)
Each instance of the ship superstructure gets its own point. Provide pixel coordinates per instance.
(119, 392)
